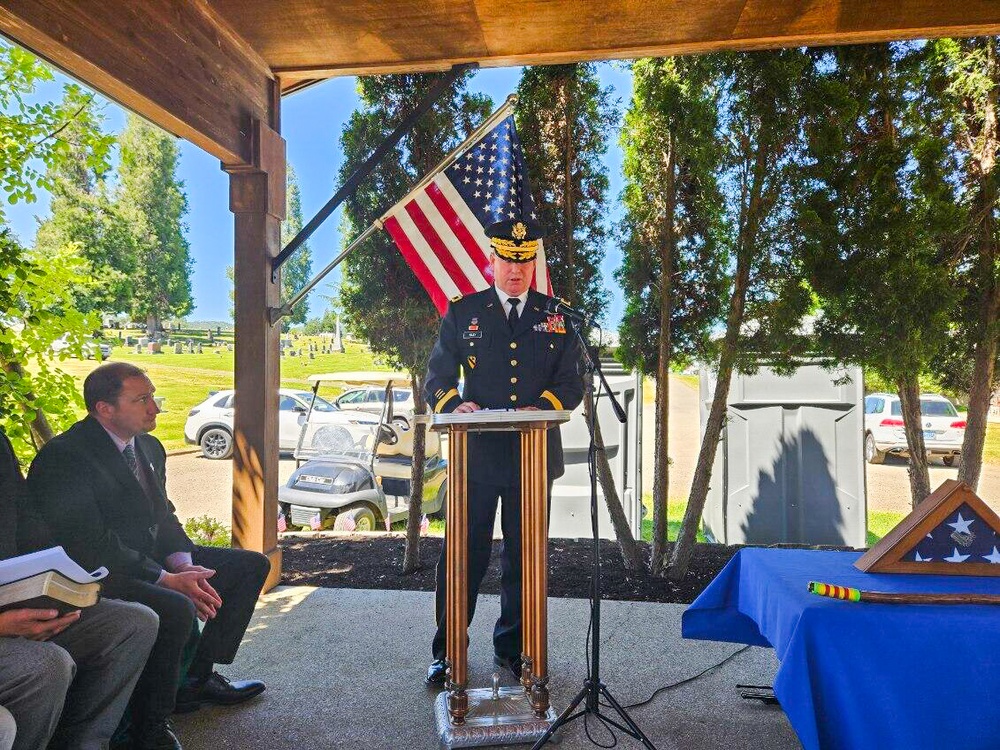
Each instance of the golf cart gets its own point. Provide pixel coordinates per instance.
(356, 477)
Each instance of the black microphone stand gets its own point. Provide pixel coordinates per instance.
(593, 687)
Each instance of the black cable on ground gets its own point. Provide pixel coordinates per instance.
(686, 680)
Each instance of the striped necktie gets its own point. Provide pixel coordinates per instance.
(133, 464)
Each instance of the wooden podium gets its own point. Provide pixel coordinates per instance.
(501, 715)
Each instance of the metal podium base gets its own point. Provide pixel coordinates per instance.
(496, 717)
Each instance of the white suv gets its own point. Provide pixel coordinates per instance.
(943, 426)
(210, 423)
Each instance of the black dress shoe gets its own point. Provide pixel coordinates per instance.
(157, 735)
(437, 672)
(215, 690)
(511, 665)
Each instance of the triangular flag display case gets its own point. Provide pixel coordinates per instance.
(952, 532)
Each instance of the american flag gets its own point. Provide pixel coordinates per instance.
(439, 226)
(963, 537)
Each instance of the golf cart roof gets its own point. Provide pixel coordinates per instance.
(360, 378)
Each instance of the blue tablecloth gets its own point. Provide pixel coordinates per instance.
(860, 675)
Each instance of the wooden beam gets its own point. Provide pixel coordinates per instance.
(257, 198)
(361, 37)
(175, 62)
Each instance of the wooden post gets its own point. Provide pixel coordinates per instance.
(257, 198)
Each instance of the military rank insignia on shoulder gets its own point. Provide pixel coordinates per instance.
(455, 299)
(552, 324)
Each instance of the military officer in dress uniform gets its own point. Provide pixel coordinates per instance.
(514, 355)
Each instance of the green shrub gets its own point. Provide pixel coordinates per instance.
(208, 532)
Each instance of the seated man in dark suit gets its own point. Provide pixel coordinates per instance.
(64, 681)
(101, 486)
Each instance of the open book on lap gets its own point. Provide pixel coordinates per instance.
(48, 590)
(53, 558)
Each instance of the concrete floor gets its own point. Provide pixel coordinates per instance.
(344, 668)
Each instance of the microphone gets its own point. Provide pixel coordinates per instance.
(557, 307)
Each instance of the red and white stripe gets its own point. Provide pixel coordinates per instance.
(445, 245)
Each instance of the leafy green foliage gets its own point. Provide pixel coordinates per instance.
(208, 532)
(38, 141)
(563, 120)
(86, 215)
(671, 162)
(297, 270)
(35, 310)
(869, 217)
(153, 203)
(382, 299)
(32, 137)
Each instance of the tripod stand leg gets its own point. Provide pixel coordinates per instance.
(637, 733)
(564, 717)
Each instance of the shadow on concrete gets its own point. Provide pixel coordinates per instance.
(345, 668)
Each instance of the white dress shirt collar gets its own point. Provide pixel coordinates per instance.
(505, 299)
(119, 443)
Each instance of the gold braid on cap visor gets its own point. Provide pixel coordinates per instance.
(517, 252)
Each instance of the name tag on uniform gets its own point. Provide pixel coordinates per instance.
(472, 334)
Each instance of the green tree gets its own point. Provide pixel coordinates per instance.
(877, 208)
(760, 125)
(34, 306)
(382, 299)
(674, 249)
(31, 141)
(85, 215)
(153, 202)
(563, 118)
(297, 270)
(958, 102)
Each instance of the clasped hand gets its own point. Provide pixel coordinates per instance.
(192, 581)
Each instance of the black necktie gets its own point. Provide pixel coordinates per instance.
(512, 315)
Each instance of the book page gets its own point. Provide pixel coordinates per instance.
(54, 558)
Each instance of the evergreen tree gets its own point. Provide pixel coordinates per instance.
(153, 202)
(872, 219)
(297, 270)
(382, 299)
(959, 101)
(563, 118)
(760, 127)
(86, 217)
(674, 249)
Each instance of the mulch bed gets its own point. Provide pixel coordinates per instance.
(375, 562)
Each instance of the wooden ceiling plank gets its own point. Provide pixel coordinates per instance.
(171, 62)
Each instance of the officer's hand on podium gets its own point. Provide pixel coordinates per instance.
(466, 407)
(528, 408)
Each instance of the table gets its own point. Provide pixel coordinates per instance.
(860, 675)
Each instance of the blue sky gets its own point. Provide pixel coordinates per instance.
(312, 121)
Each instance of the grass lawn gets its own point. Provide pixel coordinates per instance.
(879, 522)
(185, 380)
(991, 449)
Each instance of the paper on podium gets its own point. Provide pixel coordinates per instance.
(502, 416)
(53, 558)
